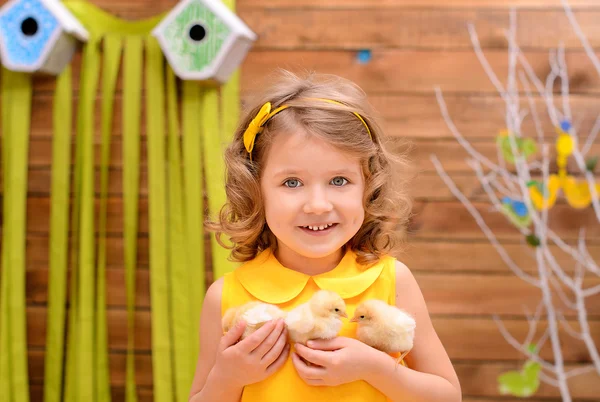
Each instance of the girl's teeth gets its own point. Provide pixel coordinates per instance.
(315, 228)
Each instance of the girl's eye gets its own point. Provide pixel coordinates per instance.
(339, 181)
(292, 183)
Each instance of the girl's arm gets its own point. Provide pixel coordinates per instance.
(208, 384)
(430, 376)
(226, 364)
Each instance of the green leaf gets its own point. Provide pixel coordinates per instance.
(524, 146)
(591, 163)
(533, 240)
(522, 383)
(532, 348)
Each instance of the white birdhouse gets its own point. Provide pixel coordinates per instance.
(203, 40)
(38, 35)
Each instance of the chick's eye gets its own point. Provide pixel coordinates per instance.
(337, 310)
(362, 316)
(339, 181)
(292, 183)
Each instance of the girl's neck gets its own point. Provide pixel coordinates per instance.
(306, 265)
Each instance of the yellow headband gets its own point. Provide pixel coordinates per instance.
(264, 115)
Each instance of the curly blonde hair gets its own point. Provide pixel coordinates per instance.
(386, 202)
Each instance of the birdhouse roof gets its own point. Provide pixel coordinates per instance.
(67, 21)
(220, 9)
(211, 19)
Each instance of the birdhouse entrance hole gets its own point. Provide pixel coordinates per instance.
(29, 26)
(197, 33)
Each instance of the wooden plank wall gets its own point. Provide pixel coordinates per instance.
(416, 45)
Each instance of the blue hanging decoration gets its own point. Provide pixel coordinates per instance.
(565, 126)
(516, 211)
(364, 56)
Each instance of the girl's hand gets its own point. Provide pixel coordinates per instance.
(254, 358)
(334, 362)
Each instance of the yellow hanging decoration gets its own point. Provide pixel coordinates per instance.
(577, 192)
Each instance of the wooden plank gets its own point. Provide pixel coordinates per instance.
(446, 294)
(470, 339)
(429, 186)
(484, 384)
(38, 252)
(39, 181)
(490, 294)
(37, 287)
(116, 361)
(432, 220)
(450, 153)
(366, 4)
(584, 387)
(475, 115)
(451, 221)
(139, 9)
(420, 70)
(144, 394)
(480, 258)
(420, 256)
(414, 116)
(437, 28)
(480, 380)
(480, 339)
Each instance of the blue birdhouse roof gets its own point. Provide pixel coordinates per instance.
(198, 36)
(29, 29)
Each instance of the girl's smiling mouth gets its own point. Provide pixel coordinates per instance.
(318, 230)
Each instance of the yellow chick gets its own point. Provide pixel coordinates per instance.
(384, 327)
(318, 318)
(254, 313)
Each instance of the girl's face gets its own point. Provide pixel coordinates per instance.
(313, 195)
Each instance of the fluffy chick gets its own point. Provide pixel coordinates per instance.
(254, 313)
(318, 318)
(384, 327)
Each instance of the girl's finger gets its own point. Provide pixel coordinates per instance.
(318, 357)
(307, 372)
(277, 364)
(251, 342)
(233, 335)
(327, 344)
(270, 340)
(276, 350)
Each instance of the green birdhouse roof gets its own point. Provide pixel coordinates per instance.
(204, 40)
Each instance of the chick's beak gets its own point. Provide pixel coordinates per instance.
(344, 315)
(354, 319)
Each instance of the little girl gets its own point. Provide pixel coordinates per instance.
(311, 204)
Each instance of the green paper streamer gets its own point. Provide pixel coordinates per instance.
(16, 113)
(59, 231)
(86, 318)
(162, 361)
(188, 282)
(99, 23)
(182, 299)
(214, 168)
(229, 117)
(112, 58)
(132, 90)
(5, 385)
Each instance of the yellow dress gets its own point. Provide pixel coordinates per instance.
(265, 279)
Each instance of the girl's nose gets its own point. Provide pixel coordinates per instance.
(317, 202)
